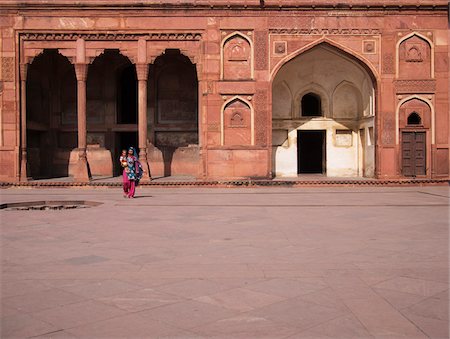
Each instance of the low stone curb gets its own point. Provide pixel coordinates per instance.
(237, 183)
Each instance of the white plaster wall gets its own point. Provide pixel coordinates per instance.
(328, 73)
(342, 161)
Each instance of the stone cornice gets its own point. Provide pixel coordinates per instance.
(287, 5)
(109, 36)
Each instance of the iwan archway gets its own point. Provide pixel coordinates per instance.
(323, 111)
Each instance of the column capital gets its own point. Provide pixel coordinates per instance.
(81, 71)
(23, 69)
(142, 71)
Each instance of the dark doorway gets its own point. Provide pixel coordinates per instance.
(311, 151)
(124, 140)
(413, 154)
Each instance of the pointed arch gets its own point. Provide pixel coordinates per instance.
(364, 63)
(406, 37)
(397, 114)
(222, 45)
(236, 98)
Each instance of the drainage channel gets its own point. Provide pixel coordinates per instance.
(48, 205)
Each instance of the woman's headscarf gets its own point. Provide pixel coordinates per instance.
(134, 152)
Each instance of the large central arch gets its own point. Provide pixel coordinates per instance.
(323, 114)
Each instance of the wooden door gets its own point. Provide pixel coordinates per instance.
(413, 153)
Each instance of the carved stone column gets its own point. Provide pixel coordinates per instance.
(24, 166)
(81, 172)
(142, 75)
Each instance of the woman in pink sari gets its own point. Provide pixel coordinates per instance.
(132, 173)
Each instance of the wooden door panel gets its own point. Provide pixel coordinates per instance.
(413, 153)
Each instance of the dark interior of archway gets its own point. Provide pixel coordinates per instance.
(51, 115)
(112, 104)
(174, 101)
(127, 97)
(311, 152)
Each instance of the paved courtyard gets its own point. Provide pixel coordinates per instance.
(227, 263)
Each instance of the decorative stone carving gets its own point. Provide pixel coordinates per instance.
(261, 120)
(388, 130)
(70, 36)
(279, 48)
(261, 38)
(237, 120)
(8, 69)
(414, 53)
(326, 31)
(142, 71)
(415, 86)
(369, 47)
(388, 63)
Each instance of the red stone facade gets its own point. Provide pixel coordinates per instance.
(190, 83)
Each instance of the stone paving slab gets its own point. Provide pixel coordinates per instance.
(273, 262)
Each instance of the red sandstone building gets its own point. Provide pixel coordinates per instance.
(225, 89)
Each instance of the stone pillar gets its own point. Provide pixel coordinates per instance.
(24, 170)
(142, 74)
(81, 171)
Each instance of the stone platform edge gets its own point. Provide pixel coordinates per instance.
(238, 183)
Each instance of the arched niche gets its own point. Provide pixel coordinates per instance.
(414, 57)
(347, 102)
(311, 105)
(237, 57)
(311, 90)
(237, 122)
(282, 104)
(51, 110)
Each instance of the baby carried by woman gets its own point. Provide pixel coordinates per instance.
(132, 171)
